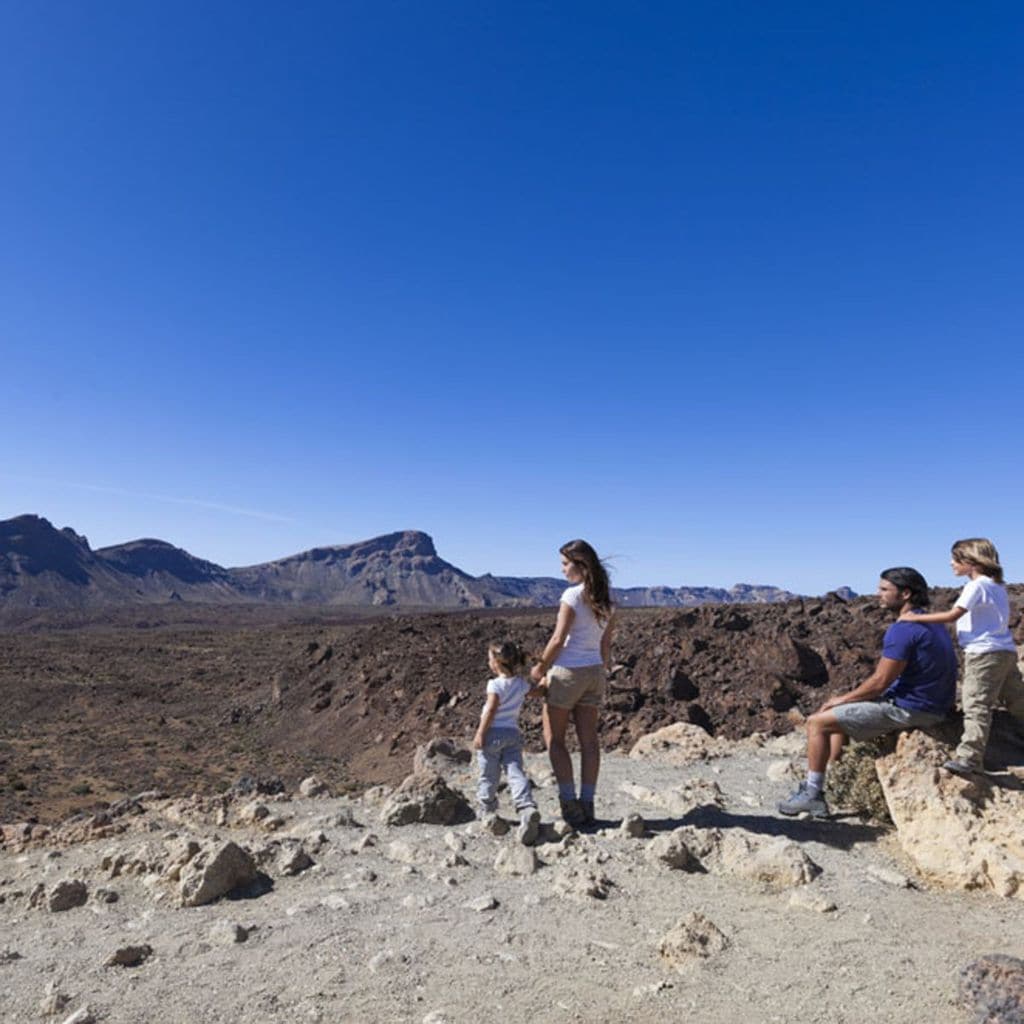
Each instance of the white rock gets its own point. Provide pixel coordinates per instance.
(805, 898)
(889, 877)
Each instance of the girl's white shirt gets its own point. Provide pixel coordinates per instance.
(510, 691)
(986, 626)
(583, 644)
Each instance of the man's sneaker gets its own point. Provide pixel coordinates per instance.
(587, 807)
(529, 826)
(572, 813)
(961, 768)
(800, 801)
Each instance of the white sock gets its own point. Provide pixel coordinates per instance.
(815, 782)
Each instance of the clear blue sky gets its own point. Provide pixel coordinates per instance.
(733, 290)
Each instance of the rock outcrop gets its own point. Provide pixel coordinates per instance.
(961, 833)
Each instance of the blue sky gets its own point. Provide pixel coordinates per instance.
(732, 290)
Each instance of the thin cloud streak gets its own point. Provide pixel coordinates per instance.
(215, 506)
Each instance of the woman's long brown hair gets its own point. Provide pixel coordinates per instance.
(596, 586)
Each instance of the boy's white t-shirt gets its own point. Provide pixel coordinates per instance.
(510, 690)
(583, 644)
(986, 626)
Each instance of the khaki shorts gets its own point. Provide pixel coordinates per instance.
(568, 687)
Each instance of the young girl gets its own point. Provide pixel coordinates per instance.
(991, 675)
(498, 741)
(575, 662)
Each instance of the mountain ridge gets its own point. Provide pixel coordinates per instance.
(42, 566)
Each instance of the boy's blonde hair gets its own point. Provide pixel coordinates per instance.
(509, 656)
(981, 553)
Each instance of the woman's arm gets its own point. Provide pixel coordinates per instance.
(606, 643)
(563, 624)
(952, 615)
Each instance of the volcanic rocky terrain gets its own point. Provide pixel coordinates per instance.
(190, 698)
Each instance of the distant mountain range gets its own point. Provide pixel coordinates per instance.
(43, 567)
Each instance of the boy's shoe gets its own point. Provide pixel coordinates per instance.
(529, 826)
(587, 807)
(572, 813)
(800, 801)
(961, 768)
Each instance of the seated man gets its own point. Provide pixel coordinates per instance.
(913, 686)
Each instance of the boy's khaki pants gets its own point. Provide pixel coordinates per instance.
(990, 678)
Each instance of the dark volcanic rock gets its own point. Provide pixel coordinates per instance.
(992, 989)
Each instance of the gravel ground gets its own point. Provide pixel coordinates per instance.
(394, 933)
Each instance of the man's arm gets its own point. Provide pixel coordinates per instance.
(887, 671)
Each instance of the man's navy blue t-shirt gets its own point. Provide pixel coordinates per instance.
(928, 683)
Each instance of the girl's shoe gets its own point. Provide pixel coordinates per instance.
(529, 826)
(572, 813)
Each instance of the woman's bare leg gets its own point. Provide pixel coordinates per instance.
(585, 717)
(556, 720)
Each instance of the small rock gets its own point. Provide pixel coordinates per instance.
(694, 938)
(889, 877)
(807, 899)
(53, 1002)
(105, 896)
(228, 933)
(633, 825)
(454, 842)
(404, 853)
(671, 849)
(66, 895)
(482, 903)
(335, 901)
(643, 991)
(129, 956)
(516, 861)
(9, 955)
(495, 825)
(313, 787)
(80, 1016)
(214, 872)
(294, 861)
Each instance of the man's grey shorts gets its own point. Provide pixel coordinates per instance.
(866, 719)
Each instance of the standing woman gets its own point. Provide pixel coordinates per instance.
(575, 661)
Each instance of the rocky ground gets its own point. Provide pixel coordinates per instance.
(692, 899)
(187, 698)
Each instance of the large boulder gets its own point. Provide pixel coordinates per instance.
(214, 872)
(773, 862)
(961, 833)
(426, 797)
(679, 744)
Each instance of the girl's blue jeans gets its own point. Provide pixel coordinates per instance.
(503, 748)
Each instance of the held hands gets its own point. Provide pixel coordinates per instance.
(537, 674)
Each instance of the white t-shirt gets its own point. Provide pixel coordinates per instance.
(583, 644)
(510, 690)
(986, 626)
